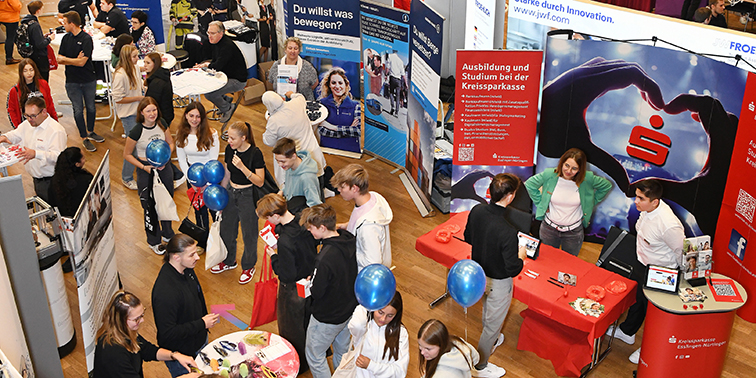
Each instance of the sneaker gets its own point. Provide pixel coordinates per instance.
(164, 239)
(159, 249)
(123, 136)
(177, 183)
(89, 145)
(490, 371)
(328, 193)
(59, 114)
(220, 268)
(635, 357)
(227, 115)
(95, 137)
(630, 340)
(246, 276)
(131, 184)
(499, 341)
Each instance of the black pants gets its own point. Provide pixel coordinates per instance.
(43, 66)
(637, 312)
(143, 180)
(10, 38)
(395, 85)
(290, 311)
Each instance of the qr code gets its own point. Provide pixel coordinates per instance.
(724, 290)
(466, 154)
(746, 205)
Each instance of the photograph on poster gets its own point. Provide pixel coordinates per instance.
(470, 185)
(637, 116)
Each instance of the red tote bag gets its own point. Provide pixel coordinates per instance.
(51, 59)
(266, 295)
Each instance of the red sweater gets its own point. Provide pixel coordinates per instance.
(14, 110)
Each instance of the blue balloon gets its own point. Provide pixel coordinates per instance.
(214, 171)
(195, 175)
(375, 287)
(216, 197)
(466, 282)
(158, 152)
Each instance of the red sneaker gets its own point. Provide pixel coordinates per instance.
(220, 268)
(246, 276)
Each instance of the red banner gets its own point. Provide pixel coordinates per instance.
(735, 228)
(496, 107)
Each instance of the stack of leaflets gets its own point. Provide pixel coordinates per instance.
(588, 307)
(696, 257)
(691, 294)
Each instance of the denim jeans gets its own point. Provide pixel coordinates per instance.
(240, 209)
(218, 97)
(569, 241)
(81, 95)
(127, 172)
(10, 38)
(175, 367)
(319, 337)
(498, 297)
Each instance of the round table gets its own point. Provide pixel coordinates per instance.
(196, 81)
(168, 61)
(269, 351)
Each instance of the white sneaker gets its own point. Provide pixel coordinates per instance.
(130, 184)
(490, 371)
(630, 340)
(328, 193)
(635, 357)
(499, 341)
(164, 239)
(159, 249)
(177, 183)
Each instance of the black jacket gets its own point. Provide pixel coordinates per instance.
(178, 306)
(36, 38)
(297, 250)
(115, 361)
(160, 88)
(493, 240)
(333, 299)
(75, 189)
(228, 59)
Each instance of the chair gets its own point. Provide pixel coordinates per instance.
(224, 132)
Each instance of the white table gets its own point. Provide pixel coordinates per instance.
(168, 61)
(193, 82)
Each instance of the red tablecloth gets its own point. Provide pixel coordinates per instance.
(542, 297)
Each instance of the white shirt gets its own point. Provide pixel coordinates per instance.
(660, 237)
(372, 347)
(189, 154)
(48, 140)
(564, 207)
(291, 121)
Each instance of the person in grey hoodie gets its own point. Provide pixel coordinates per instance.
(370, 218)
(443, 355)
(301, 173)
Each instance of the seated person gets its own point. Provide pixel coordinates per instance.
(111, 20)
(142, 34)
(228, 59)
(301, 173)
(702, 15)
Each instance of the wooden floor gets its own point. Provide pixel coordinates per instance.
(418, 278)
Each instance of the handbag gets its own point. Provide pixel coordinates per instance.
(151, 222)
(348, 366)
(269, 186)
(266, 293)
(216, 250)
(164, 205)
(51, 59)
(190, 228)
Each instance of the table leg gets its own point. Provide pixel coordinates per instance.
(111, 103)
(438, 300)
(597, 356)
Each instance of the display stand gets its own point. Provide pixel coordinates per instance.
(682, 341)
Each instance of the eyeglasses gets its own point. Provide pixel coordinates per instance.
(33, 116)
(137, 319)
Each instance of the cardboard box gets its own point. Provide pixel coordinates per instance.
(304, 288)
(264, 67)
(253, 91)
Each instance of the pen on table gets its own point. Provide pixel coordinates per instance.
(554, 283)
(533, 273)
(458, 238)
(530, 275)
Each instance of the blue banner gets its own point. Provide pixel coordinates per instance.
(385, 53)
(154, 15)
(426, 39)
(330, 38)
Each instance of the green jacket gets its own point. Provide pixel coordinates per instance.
(592, 190)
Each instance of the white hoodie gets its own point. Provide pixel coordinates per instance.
(381, 366)
(454, 365)
(372, 233)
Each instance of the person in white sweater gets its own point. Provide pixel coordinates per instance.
(127, 91)
(196, 142)
(383, 340)
(288, 119)
(443, 355)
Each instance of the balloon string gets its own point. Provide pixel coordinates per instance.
(465, 323)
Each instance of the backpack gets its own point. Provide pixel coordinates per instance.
(25, 48)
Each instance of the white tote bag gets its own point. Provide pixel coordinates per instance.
(216, 250)
(164, 205)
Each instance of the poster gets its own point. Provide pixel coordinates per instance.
(93, 256)
(426, 36)
(385, 53)
(479, 25)
(495, 122)
(735, 229)
(642, 112)
(330, 37)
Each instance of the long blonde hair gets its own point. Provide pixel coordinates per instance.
(125, 64)
(325, 85)
(114, 329)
